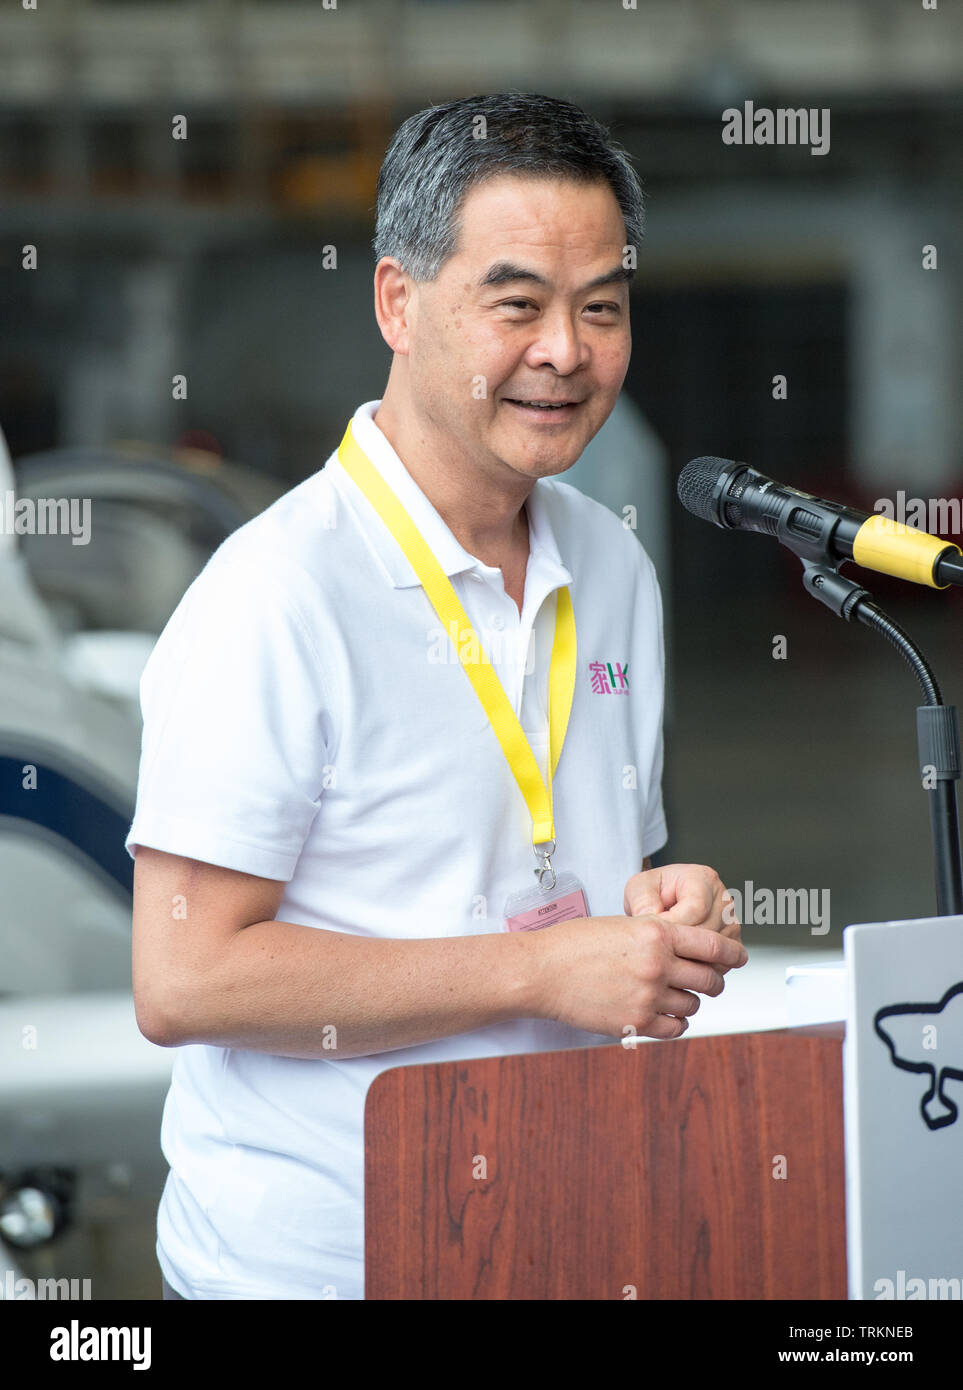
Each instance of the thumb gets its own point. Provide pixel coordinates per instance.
(642, 895)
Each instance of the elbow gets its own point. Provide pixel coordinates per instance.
(156, 1021)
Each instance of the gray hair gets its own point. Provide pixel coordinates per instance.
(437, 155)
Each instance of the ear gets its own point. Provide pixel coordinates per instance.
(395, 297)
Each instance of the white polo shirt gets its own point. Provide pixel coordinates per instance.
(307, 719)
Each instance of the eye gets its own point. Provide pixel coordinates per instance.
(604, 308)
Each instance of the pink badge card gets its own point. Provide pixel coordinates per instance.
(539, 907)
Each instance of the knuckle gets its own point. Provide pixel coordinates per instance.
(650, 969)
(649, 934)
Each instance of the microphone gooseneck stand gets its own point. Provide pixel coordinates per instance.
(937, 729)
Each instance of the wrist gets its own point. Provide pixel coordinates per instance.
(531, 972)
(527, 975)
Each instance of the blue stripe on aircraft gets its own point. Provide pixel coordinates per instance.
(76, 812)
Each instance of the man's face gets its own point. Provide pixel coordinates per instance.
(532, 306)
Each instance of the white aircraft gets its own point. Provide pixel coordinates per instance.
(81, 1089)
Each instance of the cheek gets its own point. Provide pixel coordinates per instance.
(458, 346)
(613, 363)
(487, 359)
(496, 342)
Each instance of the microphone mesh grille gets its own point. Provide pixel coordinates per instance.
(695, 486)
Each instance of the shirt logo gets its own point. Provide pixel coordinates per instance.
(608, 679)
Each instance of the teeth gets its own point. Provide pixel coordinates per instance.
(539, 405)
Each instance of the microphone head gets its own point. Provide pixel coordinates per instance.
(698, 486)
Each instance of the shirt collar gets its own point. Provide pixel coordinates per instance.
(447, 550)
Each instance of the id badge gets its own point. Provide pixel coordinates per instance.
(538, 907)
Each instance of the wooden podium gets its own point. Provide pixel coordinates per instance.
(609, 1173)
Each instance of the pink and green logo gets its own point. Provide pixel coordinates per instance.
(609, 679)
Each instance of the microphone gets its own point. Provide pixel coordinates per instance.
(738, 498)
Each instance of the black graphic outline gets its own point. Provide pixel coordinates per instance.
(944, 1073)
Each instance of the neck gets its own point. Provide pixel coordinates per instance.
(485, 515)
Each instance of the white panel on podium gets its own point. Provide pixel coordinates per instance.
(903, 1097)
(816, 992)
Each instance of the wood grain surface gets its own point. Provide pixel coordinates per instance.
(611, 1173)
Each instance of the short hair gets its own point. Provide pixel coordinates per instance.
(436, 157)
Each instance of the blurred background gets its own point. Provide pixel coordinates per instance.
(134, 257)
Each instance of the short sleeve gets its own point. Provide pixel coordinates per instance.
(649, 609)
(234, 722)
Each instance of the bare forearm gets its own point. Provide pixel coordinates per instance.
(297, 991)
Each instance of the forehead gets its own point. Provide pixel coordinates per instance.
(546, 212)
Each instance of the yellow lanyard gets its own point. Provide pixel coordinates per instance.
(488, 688)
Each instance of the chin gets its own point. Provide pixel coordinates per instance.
(542, 458)
(547, 466)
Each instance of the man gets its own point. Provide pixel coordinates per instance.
(346, 829)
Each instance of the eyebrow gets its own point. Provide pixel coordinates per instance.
(504, 273)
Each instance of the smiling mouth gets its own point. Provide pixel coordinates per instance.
(560, 408)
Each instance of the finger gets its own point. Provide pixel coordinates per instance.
(643, 896)
(690, 892)
(664, 1026)
(729, 918)
(690, 912)
(680, 1002)
(730, 924)
(693, 975)
(723, 919)
(711, 947)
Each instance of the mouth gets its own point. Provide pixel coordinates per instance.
(545, 411)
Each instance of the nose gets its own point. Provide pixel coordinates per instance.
(558, 344)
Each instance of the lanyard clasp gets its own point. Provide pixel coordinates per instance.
(545, 865)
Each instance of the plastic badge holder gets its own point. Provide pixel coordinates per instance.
(537, 907)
